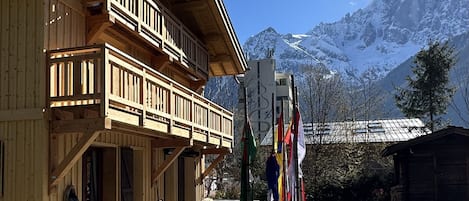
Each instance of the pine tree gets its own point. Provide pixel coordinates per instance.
(428, 92)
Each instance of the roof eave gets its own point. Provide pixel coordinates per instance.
(230, 39)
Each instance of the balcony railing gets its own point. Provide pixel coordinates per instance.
(158, 26)
(128, 91)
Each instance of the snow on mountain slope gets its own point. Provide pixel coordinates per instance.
(382, 35)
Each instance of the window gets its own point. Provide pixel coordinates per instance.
(376, 127)
(282, 82)
(282, 98)
(360, 130)
(258, 70)
(2, 165)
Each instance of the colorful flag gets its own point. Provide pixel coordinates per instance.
(248, 143)
(279, 156)
(288, 136)
(289, 153)
(298, 132)
(280, 176)
(272, 172)
(280, 133)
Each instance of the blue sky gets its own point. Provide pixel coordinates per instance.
(249, 17)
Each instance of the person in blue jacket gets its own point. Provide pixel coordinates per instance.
(272, 173)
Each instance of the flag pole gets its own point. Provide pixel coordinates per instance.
(273, 123)
(246, 181)
(295, 140)
(284, 148)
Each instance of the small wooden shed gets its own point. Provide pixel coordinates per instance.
(432, 167)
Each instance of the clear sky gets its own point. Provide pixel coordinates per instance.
(249, 17)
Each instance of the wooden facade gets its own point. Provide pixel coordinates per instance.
(105, 97)
(432, 167)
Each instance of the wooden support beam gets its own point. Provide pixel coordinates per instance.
(169, 143)
(162, 61)
(197, 85)
(163, 167)
(72, 157)
(80, 125)
(99, 24)
(210, 168)
(223, 150)
(62, 115)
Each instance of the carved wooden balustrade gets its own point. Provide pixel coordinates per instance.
(125, 90)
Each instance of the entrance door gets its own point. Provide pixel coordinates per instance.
(99, 174)
(127, 176)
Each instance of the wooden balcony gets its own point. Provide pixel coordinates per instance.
(156, 25)
(101, 82)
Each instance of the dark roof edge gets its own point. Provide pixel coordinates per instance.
(424, 138)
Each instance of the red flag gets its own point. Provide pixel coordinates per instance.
(280, 133)
(288, 135)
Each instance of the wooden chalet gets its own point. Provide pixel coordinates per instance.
(432, 167)
(102, 98)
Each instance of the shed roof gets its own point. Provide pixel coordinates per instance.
(371, 131)
(450, 130)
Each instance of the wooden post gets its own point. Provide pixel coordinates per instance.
(72, 157)
(105, 81)
(163, 167)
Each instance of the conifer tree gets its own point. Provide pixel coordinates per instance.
(428, 92)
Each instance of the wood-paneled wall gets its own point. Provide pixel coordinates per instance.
(22, 128)
(25, 160)
(21, 54)
(28, 28)
(64, 24)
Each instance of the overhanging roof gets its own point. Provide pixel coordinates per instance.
(426, 138)
(209, 20)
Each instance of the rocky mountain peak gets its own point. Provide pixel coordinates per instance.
(382, 35)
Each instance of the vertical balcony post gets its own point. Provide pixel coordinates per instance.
(139, 15)
(48, 80)
(163, 28)
(172, 108)
(192, 115)
(143, 96)
(209, 122)
(105, 81)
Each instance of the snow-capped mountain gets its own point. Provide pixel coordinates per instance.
(382, 35)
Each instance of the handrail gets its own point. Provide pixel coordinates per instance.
(105, 76)
(160, 27)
